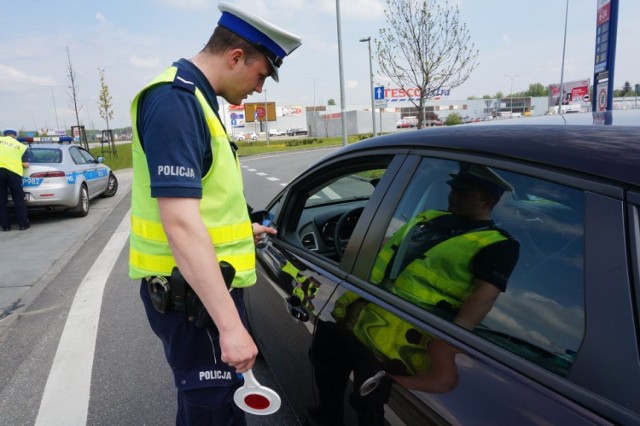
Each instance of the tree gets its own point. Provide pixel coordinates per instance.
(499, 95)
(453, 119)
(627, 90)
(537, 90)
(425, 46)
(331, 102)
(105, 109)
(74, 92)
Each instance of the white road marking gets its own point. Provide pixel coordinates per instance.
(66, 395)
(272, 178)
(261, 174)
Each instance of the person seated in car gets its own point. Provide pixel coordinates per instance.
(454, 263)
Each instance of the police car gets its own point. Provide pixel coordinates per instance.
(342, 314)
(62, 176)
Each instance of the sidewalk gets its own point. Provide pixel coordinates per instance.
(32, 258)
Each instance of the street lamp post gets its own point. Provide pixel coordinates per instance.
(340, 67)
(55, 108)
(266, 117)
(373, 108)
(511, 76)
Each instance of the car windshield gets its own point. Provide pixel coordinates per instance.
(351, 187)
(45, 155)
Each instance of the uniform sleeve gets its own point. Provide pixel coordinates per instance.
(495, 262)
(173, 133)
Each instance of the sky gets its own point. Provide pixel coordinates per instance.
(134, 40)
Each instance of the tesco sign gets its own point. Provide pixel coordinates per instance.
(412, 92)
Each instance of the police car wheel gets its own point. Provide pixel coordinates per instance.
(112, 186)
(82, 208)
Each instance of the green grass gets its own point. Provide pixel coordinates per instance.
(122, 159)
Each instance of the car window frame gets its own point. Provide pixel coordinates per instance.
(298, 191)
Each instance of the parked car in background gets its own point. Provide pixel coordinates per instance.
(402, 124)
(246, 136)
(62, 176)
(297, 131)
(276, 132)
(346, 337)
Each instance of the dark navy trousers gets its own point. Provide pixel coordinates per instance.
(12, 182)
(205, 384)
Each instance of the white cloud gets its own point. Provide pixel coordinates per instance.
(139, 62)
(189, 4)
(101, 18)
(351, 84)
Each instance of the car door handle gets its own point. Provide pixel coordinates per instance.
(295, 308)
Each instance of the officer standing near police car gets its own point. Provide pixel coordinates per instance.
(189, 214)
(13, 160)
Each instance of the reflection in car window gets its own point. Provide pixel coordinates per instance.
(515, 278)
(77, 156)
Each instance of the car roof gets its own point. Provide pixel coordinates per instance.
(609, 152)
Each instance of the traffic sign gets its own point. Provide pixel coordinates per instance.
(378, 93)
(602, 97)
(380, 103)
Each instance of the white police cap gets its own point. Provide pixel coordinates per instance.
(274, 42)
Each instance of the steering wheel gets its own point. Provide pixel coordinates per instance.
(344, 229)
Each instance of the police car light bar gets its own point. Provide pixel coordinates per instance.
(45, 139)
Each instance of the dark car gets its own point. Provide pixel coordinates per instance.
(297, 131)
(348, 341)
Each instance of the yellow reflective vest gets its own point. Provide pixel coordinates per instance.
(443, 273)
(11, 152)
(223, 208)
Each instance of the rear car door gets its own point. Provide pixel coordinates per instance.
(539, 355)
(79, 169)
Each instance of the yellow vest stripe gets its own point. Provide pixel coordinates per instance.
(220, 235)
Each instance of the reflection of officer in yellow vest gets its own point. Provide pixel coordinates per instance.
(305, 287)
(430, 262)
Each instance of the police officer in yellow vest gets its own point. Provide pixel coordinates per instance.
(452, 263)
(13, 159)
(188, 210)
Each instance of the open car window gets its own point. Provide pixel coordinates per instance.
(322, 213)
